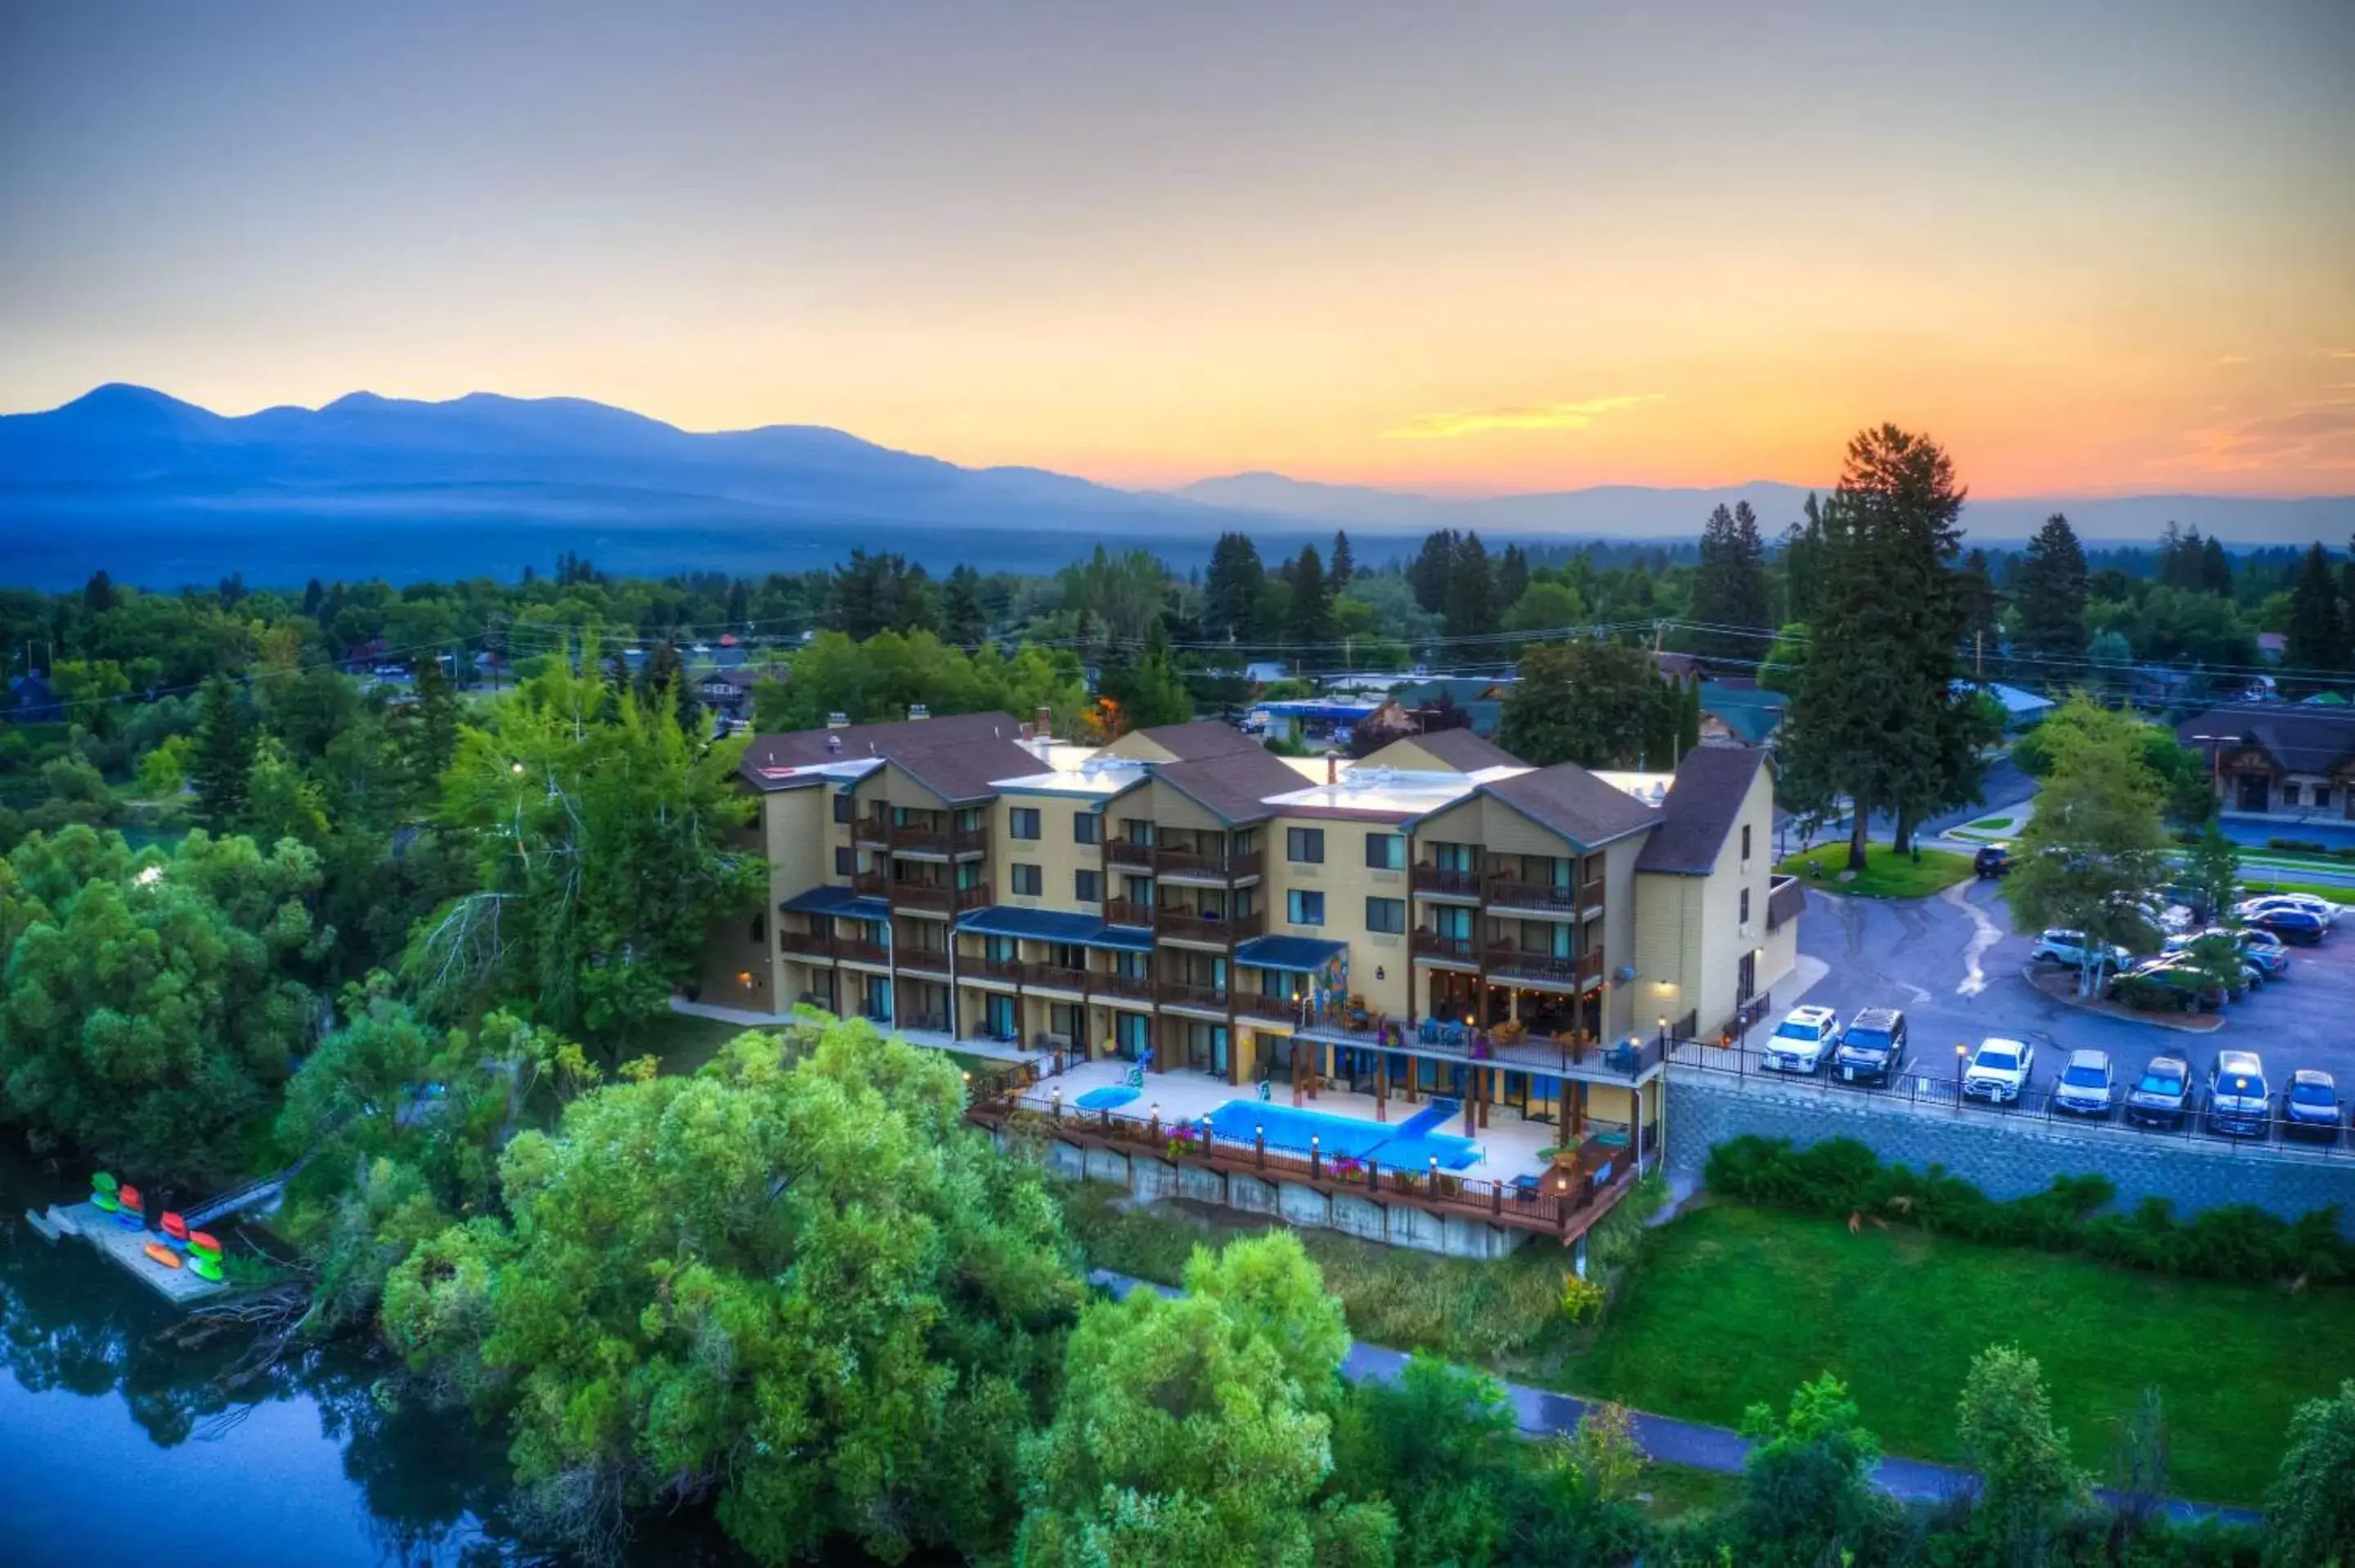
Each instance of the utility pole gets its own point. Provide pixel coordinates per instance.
(1978, 654)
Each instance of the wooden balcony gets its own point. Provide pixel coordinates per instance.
(931, 897)
(873, 830)
(1447, 883)
(985, 967)
(806, 943)
(1256, 1005)
(1426, 943)
(1121, 912)
(1503, 893)
(1590, 898)
(871, 883)
(1112, 983)
(1506, 962)
(1055, 976)
(859, 952)
(922, 961)
(1179, 994)
(1120, 851)
(977, 897)
(1225, 931)
(1185, 865)
(940, 841)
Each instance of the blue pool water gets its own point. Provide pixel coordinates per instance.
(1106, 1098)
(1410, 1144)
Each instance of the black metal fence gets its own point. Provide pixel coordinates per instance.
(1935, 1087)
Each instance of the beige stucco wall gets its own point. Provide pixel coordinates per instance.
(1689, 936)
(1347, 883)
(1620, 1002)
(1056, 852)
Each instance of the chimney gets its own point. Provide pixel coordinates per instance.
(1043, 724)
(918, 711)
(1332, 767)
(1027, 733)
(837, 721)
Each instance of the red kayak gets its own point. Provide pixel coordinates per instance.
(163, 1254)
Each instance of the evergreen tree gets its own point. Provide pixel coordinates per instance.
(313, 594)
(2052, 593)
(666, 675)
(1512, 579)
(1344, 565)
(2216, 568)
(1310, 628)
(740, 603)
(2317, 633)
(963, 621)
(1729, 593)
(1876, 719)
(1433, 570)
(1233, 590)
(1982, 608)
(222, 763)
(1471, 608)
(97, 595)
(1156, 695)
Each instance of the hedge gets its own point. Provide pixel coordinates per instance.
(1839, 1177)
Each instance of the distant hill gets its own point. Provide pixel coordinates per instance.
(161, 492)
(1642, 511)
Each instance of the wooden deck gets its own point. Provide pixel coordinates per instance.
(128, 1248)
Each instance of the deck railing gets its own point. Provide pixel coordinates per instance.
(1507, 893)
(1126, 912)
(1055, 975)
(1432, 879)
(1429, 943)
(1183, 993)
(1226, 930)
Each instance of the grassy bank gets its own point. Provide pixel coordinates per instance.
(1734, 1306)
(1886, 874)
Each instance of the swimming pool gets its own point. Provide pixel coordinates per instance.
(1411, 1144)
(1106, 1098)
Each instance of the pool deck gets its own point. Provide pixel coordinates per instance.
(128, 1248)
(1508, 1146)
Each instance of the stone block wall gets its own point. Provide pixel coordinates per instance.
(2003, 1156)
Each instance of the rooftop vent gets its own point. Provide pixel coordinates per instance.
(834, 743)
(837, 721)
(1659, 793)
(919, 711)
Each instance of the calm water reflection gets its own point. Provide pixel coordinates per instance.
(116, 1448)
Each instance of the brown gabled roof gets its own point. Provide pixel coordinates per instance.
(956, 757)
(1202, 739)
(1711, 782)
(1574, 803)
(1237, 786)
(2299, 739)
(1461, 749)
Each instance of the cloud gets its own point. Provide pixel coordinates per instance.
(1529, 417)
(2318, 435)
(2232, 359)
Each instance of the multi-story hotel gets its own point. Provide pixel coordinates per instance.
(1437, 919)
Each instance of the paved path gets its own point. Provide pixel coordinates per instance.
(1541, 1413)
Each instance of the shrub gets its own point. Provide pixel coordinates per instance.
(1582, 1300)
(1839, 1177)
(2297, 846)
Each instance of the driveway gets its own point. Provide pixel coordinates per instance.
(1954, 964)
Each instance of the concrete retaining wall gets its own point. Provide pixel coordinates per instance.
(1293, 1203)
(2004, 1156)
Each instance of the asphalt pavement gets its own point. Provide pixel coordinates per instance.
(1954, 966)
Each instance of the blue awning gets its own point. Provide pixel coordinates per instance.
(1304, 955)
(1054, 926)
(834, 900)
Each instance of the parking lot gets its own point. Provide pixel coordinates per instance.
(1952, 964)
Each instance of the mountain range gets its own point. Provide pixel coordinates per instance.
(162, 492)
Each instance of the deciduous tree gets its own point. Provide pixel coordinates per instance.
(2094, 847)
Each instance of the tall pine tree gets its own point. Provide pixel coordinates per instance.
(1311, 624)
(1729, 595)
(2315, 639)
(1234, 589)
(2051, 594)
(1513, 579)
(1433, 569)
(1343, 568)
(963, 621)
(222, 763)
(1471, 608)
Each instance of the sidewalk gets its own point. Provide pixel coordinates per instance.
(1541, 1413)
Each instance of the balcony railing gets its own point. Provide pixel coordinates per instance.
(926, 960)
(809, 943)
(1786, 896)
(1120, 851)
(922, 896)
(1110, 983)
(1056, 975)
(1505, 892)
(1179, 994)
(1260, 1005)
(940, 841)
(876, 830)
(1432, 945)
(872, 883)
(861, 952)
(1123, 912)
(1225, 931)
(1590, 898)
(1506, 960)
(986, 967)
(1461, 884)
(1217, 867)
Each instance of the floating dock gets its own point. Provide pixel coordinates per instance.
(129, 1248)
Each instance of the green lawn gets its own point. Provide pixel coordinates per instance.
(1735, 1305)
(1886, 874)
(2337, 895)
(681, 1041)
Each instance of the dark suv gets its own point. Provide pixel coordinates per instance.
(2162, 1095)
(1873, 1049)
(1993, 860)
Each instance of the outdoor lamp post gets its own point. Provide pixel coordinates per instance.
(1434, 1175)
(1055, 1095)
(1664, 1029)
(1315, 1157)
(1961, 1054)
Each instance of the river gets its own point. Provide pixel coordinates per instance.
(116, 1448)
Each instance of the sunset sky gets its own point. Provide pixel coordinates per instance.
(1477, 246)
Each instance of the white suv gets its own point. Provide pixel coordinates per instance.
(1803, 1042)
(1999, 1070)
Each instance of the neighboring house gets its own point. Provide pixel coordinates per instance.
(1481, 698)
(1740, 713)
(2022, 709)
(1312, 720)
(32, 699)
(1437, 919)
(2278, 760)
(728, 693)
(2271, 646)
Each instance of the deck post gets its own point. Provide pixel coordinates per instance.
(1382, 1085)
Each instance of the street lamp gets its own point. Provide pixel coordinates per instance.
(1961, 1054)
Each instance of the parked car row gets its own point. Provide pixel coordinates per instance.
(2183, 970)
(2233, 1100)
(2299, 918)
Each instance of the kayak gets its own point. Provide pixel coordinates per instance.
(202, 1242)
(163, 1254)
(205, 1268)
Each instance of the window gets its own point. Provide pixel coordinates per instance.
(1087, 827)
(1305, 845)
(1386, 852)
(2289, 794)
(845, 861)
(1745, 841)
(759, 928)
(1305, 908)
(1022, 821)
(1387, 915)
(842, 806)
(1746, 907)
(1028, 883)
(998, 949)
(1087, 886)
(2322, 794)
